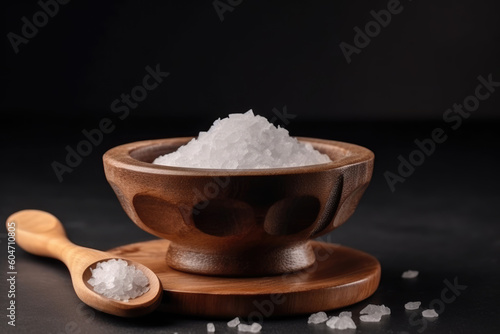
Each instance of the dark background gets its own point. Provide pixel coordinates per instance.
(265, 55)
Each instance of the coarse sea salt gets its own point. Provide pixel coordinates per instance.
(343, 321)
(117, 280)
(345, 314)
(374, 313)
(332, 321)
(317, 318)
(412, 305)
(375, 317)
(210, 327)
(410, 274)
(243, 141)
(253, 328)
(233, 323)
(373, 309)
(430, 313)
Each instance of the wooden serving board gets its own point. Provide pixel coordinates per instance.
(341, 276)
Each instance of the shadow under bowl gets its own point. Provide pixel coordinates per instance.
(241, 223)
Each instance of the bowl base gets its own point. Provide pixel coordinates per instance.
(248, 263)
(339, 277)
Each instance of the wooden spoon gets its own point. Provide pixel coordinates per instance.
(41, 233)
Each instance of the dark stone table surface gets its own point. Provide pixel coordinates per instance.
(443, 221)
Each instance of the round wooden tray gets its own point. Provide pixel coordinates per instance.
(341, 276)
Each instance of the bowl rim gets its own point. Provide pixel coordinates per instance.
(121, 156)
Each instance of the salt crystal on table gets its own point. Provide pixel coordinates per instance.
(244, 328)
(374, 317)
(243, 141)
(210, 327)
(317, 318)
(369, 309)
(373, 309)
(430, 313)
(345, 323)
(233, 323)
(412, 305)
(332, 321)
(345, 314)
(254, 328)
(410, 274)
(117, 280)
(373, 313)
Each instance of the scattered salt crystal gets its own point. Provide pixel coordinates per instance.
(317, 318)
(373, 313)
(243, 141)
(412, 305)
(374, 317)
(244, 328)
(430, 313)
(332, 321)
(233, 323)
(374, 309)
(410, 274)
(210, 327)
(117, 280)
(345, 323)
(341, 322)
(345, 314)
(253, 328)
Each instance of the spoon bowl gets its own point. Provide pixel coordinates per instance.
(41, 233)
(123, 308)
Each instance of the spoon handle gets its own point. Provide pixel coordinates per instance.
(40, 233)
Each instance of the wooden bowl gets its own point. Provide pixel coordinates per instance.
(238, 222)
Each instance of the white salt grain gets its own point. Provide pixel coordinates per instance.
(374, 317)
(210, 327)
(374, 309)
(244, 328)
(430, 313)
(410, 274)
(345, 314)
(345, 323)
(412, 305)
(332, 321)
(317, 318)
(253, 328)
(233, 323)
(117, 280)
(243, 141)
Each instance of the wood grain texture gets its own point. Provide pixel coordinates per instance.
(339, 277)
(41, 233)
(238, 222)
